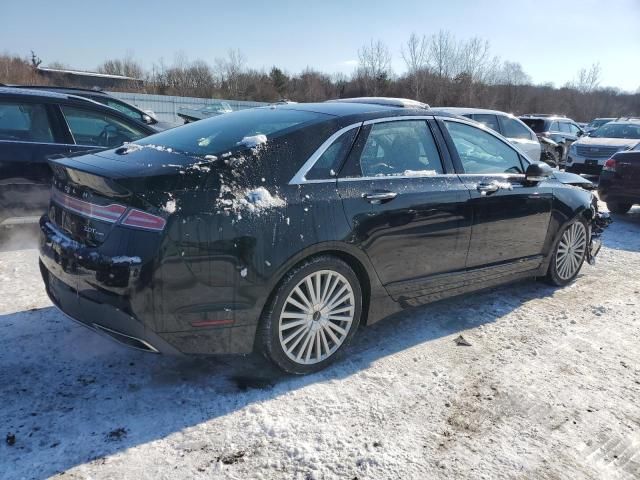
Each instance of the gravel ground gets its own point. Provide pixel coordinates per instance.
(548, 389)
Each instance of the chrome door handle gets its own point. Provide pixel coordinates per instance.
(487, 188)
(379, 197)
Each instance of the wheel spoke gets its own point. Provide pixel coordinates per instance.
(287, 326)
(344, 309)
(317, 317)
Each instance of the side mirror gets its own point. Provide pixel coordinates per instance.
(147, 119)
(580, 133)
(537, 172)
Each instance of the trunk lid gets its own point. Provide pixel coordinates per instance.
(92, 193)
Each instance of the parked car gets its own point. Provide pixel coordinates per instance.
(282, 229)
(99, 96)
(561, 130)
(505, 124)
(589, 154)
(619, 184)
(210, 110)
(35, 124)
(597, 123)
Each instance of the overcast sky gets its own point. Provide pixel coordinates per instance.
(551, 39)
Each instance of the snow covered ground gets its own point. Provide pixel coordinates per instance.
(549, 388)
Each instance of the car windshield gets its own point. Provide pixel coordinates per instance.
(245, 128)
(618, 130)
(535, 124)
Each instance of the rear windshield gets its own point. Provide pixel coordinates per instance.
(598, 123)
(535, 124)
(618, 130)
(246, 128)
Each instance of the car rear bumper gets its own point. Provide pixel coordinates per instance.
(102, 318)
(613, 188)
(117, 298)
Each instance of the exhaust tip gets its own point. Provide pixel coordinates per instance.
(127, 340)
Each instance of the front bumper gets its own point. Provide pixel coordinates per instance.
(600, 222)
(574, 165)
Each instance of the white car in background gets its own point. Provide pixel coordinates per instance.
(510, 127)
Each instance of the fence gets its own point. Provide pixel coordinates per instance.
(165, 107)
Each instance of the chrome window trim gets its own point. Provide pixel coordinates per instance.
(300, 177)
(395, 177)
(395, 119)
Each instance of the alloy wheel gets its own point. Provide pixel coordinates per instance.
(571, 250)
(316, 317)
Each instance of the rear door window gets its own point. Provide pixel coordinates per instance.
(564, 127)
(483, 153)
(99, 129)
(488, 120)
(400, 148)
(554, 127)
(26, 122)
(513, 129)
(328, 163)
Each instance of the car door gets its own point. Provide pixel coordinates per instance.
(519, 134)
(510, 216)
(28, 135)
(408, 211)
(98, 128)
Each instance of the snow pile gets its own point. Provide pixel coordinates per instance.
(253, 141)
(170, 206)
(254, 200)
(419, 173)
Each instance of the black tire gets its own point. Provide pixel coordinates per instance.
(269, 336)
(550, 157)
(618, 207)
(554, 276)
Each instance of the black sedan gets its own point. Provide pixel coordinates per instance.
(619, 184)
(282, 229)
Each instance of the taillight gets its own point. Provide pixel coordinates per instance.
(139, 219)
(105, 213)
(609, 165)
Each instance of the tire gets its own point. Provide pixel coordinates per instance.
(318, 338)
(619, 207)
(550, 157)
(571, 244)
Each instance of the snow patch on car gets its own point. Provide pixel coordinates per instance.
(253, 141)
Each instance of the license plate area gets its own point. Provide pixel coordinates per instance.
(591, 162)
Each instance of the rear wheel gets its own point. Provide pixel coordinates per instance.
(312, 316)
(618, 207)
(569, 253)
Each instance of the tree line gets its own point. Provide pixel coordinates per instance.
(441, 70)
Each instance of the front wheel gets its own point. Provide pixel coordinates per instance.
(312, 316)
(569, 253)
(619, 207)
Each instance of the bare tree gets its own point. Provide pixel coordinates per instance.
(231, 69)
(588, 79)
(126, 66)
(415, 54)
(374, 66)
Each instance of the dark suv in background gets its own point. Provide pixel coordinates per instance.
(108, 100)
(561, 130)
(35, 124)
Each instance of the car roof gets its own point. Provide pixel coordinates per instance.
(466, 110)
(54, 88)
(552, 118)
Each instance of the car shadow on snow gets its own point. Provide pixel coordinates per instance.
(624, 232)
(71, 396)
